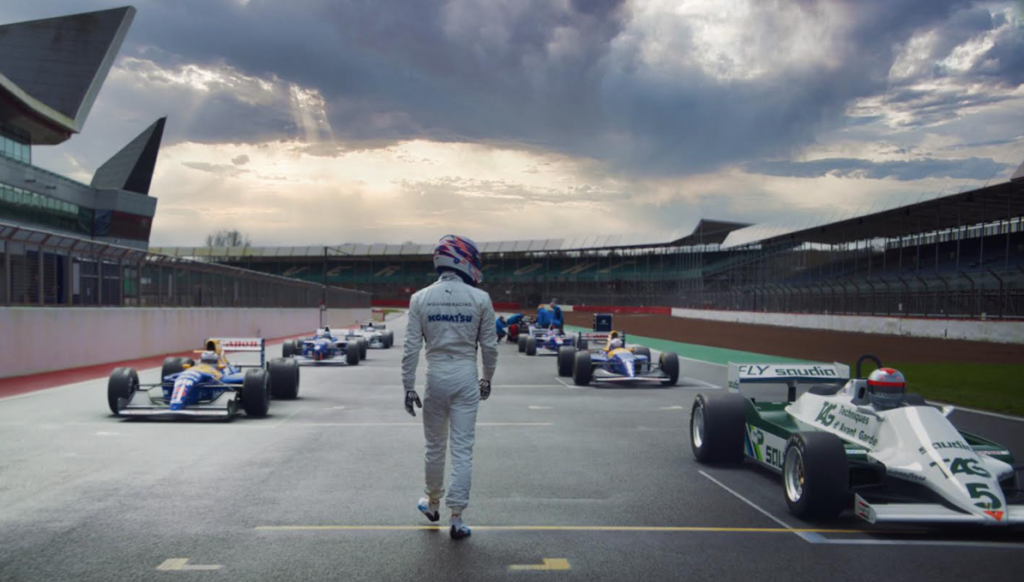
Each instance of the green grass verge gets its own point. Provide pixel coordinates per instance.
(994, 387)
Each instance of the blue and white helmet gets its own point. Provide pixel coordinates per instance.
(459, 254)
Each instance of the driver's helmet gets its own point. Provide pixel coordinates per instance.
(887, 388)
(615, 344)
(209, 358)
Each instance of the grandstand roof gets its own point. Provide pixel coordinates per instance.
(990, 204)
(706, 232)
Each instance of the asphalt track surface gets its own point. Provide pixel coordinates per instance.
(598, 481)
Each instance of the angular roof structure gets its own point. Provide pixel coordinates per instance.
(51, 70)
(131, 168)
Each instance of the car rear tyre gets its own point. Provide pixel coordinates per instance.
(122, 384)
(815, 475)
(352, 353)
(566, 356)
(522, 343)
(284, 378)
(670, 366)
(288, 349)
(256, 393)
(174, 366)
(531, 346)
(582, 370)
(717, 428)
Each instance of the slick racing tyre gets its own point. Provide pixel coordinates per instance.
(256, 393)
(288, 349)
(352, 353)
(566, 356)
(363, 345)
(389, 339)
(122, 384)
(174, 366)
(531, 346)
(670, 365)
(284, 378)
(582, 370)
(717, 428)
(522, 343)
(815, 475)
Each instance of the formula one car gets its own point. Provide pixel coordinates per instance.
(376, 336)
(325, 349)
(897, 458)
(546, 340)
(613, 362)
(212, 387)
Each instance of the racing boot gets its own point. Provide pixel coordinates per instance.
(459, 528)
(429, 509)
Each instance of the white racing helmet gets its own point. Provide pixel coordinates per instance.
(459, 254)
(209, 358)
(887, 388)
(615, 344)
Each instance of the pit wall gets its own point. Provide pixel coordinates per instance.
(960, 329)
(47, 339)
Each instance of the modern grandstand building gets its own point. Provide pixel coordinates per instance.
(51, 71)
(960, 255)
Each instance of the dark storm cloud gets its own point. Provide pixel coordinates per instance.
(569, 77)
(967, 168)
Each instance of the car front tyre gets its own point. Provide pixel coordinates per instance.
(122, 384)
(256, 393)
(815, 475)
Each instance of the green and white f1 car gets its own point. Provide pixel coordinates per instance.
(832, 445)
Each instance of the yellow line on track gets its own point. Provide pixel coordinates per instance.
(585, 528)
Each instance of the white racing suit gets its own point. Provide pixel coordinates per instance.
(452, 317)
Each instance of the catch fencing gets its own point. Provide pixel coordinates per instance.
(39, 268)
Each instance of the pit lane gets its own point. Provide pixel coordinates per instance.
(325, 488)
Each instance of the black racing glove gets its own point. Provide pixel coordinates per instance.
(412, 398)
(485, 389)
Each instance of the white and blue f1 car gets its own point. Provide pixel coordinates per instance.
(325, 349)
(211, 387)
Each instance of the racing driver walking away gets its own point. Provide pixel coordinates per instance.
(452, 316)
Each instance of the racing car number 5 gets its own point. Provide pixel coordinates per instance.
(981, 491)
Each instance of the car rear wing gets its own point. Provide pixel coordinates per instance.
(788, 374)
(242, 344)
(601, 336)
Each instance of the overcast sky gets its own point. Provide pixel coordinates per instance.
(329, 121)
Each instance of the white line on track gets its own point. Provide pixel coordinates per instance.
(765, 512)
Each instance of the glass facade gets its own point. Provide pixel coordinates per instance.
(14, 144)
(35, 208)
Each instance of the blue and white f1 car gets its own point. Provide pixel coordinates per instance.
(614, 362)
(325, 349)
(545, 341)
(211, 387)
